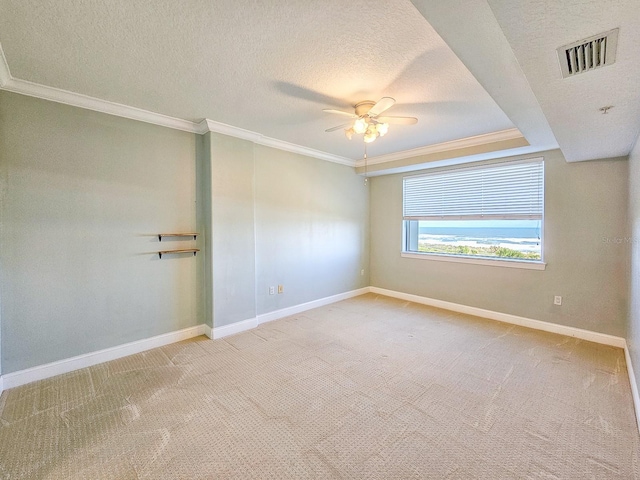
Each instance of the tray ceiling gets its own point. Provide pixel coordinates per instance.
(271, 67)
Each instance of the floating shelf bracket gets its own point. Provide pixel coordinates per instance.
(161, 235)
(185, 250)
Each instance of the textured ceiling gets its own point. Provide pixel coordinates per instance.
(269, 67)
(536, 28)
(462, 67)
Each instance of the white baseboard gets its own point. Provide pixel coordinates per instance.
(285, 312)
(634, 385)
(41, 372)
(237, 327)
(208, 331)
(596, 337)
(67, 365)
(232, 329)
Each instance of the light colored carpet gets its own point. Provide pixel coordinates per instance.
(370, 387)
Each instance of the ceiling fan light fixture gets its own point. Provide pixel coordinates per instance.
(370, 136)
(349, 132)
(360, 125)
(367, 120)
(382, 128)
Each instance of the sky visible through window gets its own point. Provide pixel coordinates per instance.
(510, 239)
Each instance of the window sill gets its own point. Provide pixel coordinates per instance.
(527, 265)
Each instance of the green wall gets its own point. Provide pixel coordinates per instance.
(312, 229)
(83, 195)
(633, 243)
(279, 218)
(231, 223)
(585, 205)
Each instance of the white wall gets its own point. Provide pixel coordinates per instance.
(585, 214)
(83, 196)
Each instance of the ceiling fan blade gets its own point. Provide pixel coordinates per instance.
(333, 129)
(398, 120)
(340, 112)
(383, 104)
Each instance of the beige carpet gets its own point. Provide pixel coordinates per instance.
(370, 387)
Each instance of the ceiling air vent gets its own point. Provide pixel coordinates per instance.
(594, 52)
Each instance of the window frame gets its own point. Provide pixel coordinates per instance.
(406, 252)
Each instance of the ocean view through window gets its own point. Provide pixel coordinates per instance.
(498, 238)
(492, 212)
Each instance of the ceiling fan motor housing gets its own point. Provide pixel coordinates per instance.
(362, 108)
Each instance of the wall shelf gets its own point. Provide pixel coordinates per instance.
(184, 250)
(161, 235)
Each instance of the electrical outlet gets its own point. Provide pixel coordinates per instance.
(362, 272)
(272, 290)
(280, 288)
(557, 300)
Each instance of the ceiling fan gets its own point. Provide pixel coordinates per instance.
(366, 119)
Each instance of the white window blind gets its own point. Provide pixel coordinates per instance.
(500, 191)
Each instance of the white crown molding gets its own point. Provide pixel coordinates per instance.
(487, 138)
(5, 73)
(207, 125)
(24, 87)
(112, 108)
(98, 105)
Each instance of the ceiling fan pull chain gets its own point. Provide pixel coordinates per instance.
(366, 179)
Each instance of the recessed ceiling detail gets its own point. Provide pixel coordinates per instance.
(269, 68)
(591, 53)
(463, 68)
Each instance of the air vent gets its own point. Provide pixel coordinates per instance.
(588, 54)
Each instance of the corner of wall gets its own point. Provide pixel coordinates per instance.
(204, 221)
(633, 310)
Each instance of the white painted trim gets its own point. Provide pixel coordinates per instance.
(484, 139)
(5, 73)
(588, 335)
(285, 312)
(530, 265)
(207, 125)
(260, 139)
(208, 331)
(67, 365)
(244, 325)
(633, 384)
(66, 97)
(309, 152)
(232, 329)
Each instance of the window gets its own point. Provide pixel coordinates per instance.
(491, 212)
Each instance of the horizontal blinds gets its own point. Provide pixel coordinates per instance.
(507, 191)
